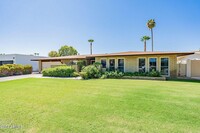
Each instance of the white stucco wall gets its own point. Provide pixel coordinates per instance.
(7, 57)
(183, 60)
(22, 59)
(188, 74)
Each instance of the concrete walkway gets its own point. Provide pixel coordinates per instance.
(20, 77)
(33, 75)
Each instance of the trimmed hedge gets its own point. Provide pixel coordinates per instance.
(112, 75)
(14, 69)
(61, 71)
(153, 73)
(95, 71)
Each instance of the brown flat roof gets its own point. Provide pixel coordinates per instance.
(129, 53)
(137, 53)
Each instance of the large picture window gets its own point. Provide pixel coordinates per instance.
(164, 66)
(142, 65)
(103, 63)
(152, 64)
(112, 64)
(121, 65)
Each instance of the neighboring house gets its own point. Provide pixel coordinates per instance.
(20, 59)
(165, 62)
(189, 66)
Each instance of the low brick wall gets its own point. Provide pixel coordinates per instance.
(144, 78)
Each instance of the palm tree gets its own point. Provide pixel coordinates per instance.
(144, 39)
(90, 41)
(151, 24)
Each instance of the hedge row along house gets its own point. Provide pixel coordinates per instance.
(165, 62)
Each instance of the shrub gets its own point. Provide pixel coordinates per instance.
(4, 71)
(15, 69)
(75, 74)
(84, 75)
(27, 69)
(90, 72)
(154, 73)
(128, 74)
(80, 65)
(112, 74)
(61, 71)
(149, 74)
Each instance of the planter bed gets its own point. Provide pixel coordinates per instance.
(144, 77)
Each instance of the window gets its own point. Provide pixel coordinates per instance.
(152, 64)
(142, 65)
(121, 65)
(112, 64)
(92, 61)
(6, 62)
(164, 66)
(103, 63)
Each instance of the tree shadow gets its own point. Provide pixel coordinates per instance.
(184, 80)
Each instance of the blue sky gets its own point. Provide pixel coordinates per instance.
(29, 26)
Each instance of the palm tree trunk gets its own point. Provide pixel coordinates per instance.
(145, 46)
(152, 38)
(91, 48)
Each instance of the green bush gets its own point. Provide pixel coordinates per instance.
(84, 75)
(27, 69)
(80, 65)
(15, 69)
(75, 74)
(61, 71)
(153, 73)
(90, 72)
(112, 74)
(4, 71)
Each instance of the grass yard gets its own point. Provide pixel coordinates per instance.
(59, 105)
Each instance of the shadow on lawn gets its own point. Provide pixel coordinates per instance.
(184, 80)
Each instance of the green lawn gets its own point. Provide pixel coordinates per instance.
(56, 105)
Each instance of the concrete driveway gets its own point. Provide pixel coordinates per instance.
(33, 75)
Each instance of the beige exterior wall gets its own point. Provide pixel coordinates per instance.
(195, 68)
(49, 64)
(131, 62)
(181, 70)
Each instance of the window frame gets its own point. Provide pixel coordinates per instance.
(109, 63)
(157, 63)
(118, 63)
(106, 62)
(168, 65)
(146, 69)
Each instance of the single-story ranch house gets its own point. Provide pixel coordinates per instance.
(165, 62)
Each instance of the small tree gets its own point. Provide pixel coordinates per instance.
(144, 39)
(53, 54)
(90, 41)
(67, 50)
(151, 24)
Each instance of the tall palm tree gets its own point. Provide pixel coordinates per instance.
(145, 39)
(151, 24)
(90, 41)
